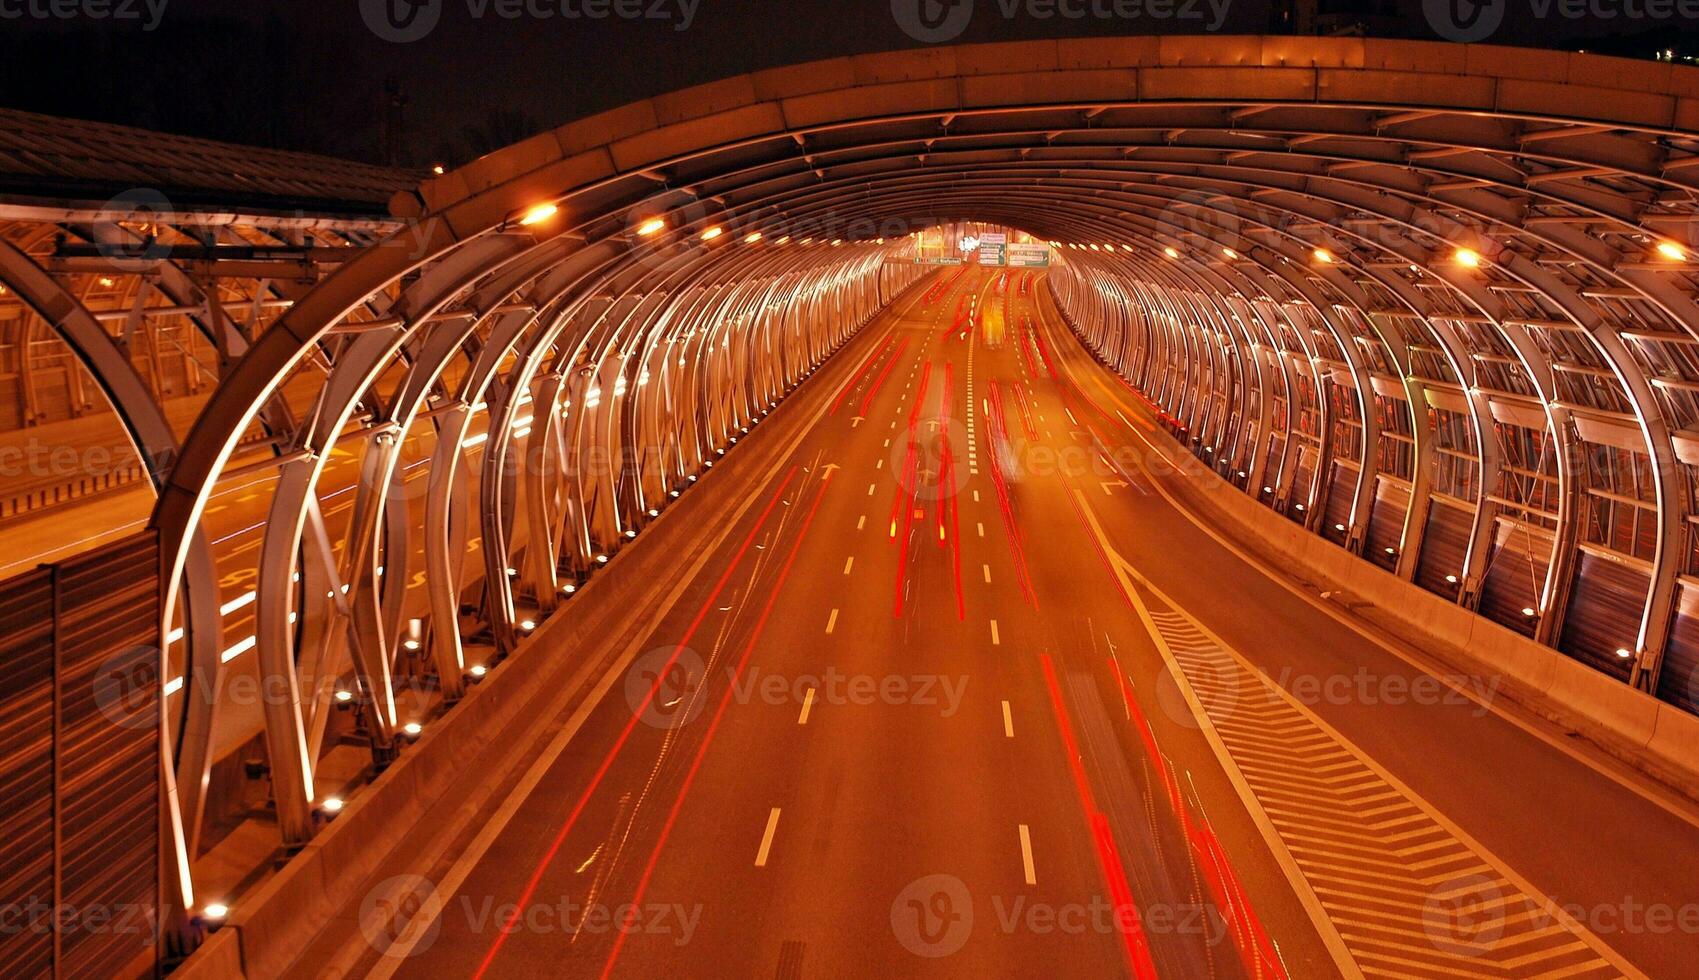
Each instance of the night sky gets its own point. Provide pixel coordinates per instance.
(312, 75)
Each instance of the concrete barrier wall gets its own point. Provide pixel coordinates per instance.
(1657, 738)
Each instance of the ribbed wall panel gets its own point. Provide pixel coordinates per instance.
(1604, 613)
(79, 763)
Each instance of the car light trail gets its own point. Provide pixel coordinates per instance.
(714, 724)
(1108, 855)
(555, 845)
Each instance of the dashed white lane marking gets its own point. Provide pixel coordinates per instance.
(767, 839)
(832, 621)
(807, 706)
(981, 529)
(987, 569)
(1026, 854)
(996, 639)
(861, 523)
(976, 496)
(879, 465)
(1008, 720)
(849, 563)
(870, 487)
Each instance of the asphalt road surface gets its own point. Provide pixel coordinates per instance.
(934, 709)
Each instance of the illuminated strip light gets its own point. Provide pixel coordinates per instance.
(473, 441)
(241, 647)
(173, 685)
(236, 603)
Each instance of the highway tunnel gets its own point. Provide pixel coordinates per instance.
(1431, 305)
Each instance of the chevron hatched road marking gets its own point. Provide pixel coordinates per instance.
(1408, 894)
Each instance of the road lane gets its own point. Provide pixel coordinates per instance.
(875, 759)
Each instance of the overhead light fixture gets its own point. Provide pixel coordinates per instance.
(1229, 253)
(1323, 256)
(713, 233)
(412, 728)
(437, 170)
(344, 696)
(1623, 652)
(651, 226)
(1171, 252)
(1672, 251)
(215, 912)
(1527, 610)
(752, 238)
(1468, 257)
(331, 804)
(539, 213)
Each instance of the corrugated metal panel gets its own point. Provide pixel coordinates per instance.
(79, 764)
(1386, 523)
(1515, 574)
(1445, 543)
(1678, 683)
(26, 770)
(1340, 493)
(1604, 613)
(109, 752)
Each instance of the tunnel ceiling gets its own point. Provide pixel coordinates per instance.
(1504, 224)
(1341, 228)
(1570, 177)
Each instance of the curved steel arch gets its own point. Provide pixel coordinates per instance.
(1313, 321)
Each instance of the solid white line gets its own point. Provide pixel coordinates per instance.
(832, 621)
(1008, 721)
(848, 564)
(767, 839)
(996, 640)
(1026, 854)
(807, 706)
